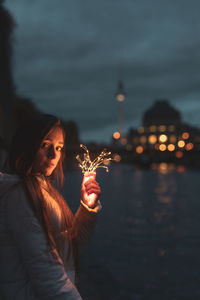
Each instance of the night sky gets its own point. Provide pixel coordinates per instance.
(68, 56)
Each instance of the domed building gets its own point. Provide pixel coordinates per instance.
(161, 113)
(162, 137)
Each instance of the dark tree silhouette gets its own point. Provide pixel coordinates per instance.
(7, 88)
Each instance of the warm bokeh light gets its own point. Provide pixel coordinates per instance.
(157, 146)
(185, 135)
(123, 141)
(153, 166)
(140, 129)
(162, 147)
(197, 139)
(143, 139)
(172, 139)
(152, 128)
(163, 138)
(116, 157)
(180, 169)
(120, 97)
(152, 139)
(189, 146)
(171, 147)
(181, 144)
(106, 162)
(139, 149)
(179, 154)
(116, 135)
(163, 167)
(162, 128)
(171, 128)
(129, 147)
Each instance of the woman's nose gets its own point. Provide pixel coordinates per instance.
(51, 152)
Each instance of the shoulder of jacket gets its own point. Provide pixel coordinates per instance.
(17, 202)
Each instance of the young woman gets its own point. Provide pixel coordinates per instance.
(39, 235)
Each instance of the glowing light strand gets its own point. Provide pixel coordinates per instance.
(89, 166)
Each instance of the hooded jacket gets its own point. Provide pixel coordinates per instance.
(28, 268)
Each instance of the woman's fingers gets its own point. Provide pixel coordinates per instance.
(93, 190)
(92, 187)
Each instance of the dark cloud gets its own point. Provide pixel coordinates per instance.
(67, 57)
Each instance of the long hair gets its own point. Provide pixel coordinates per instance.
(24, 146)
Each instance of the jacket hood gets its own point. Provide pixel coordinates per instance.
(7, 181)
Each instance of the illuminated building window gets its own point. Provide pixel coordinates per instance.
(181, 144)
(163, 138)
(116, 135)
(172, 139)
(116, 157)
(162, 147)
(179, 154)
(141, 130)
(185, 135)
(171, 128)
(171, 147)
(139, 149)
(143, 139)
(129, 147)
(152, 128)
(162, 128)
(152, 139)
(189, 146)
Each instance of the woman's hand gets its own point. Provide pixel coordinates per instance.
(90, 190)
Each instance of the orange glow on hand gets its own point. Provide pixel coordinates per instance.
(90, 199)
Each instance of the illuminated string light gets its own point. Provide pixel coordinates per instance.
(89, 166)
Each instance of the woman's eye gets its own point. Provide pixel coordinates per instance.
(59, 148)
(44, 145)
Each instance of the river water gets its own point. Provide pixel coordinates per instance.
(147, 241)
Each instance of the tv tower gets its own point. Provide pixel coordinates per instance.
(120, 96)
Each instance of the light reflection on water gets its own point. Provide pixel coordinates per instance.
(147, 241)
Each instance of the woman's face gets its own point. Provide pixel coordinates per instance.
(49, 154)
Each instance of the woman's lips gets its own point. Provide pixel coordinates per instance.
(50, 165)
